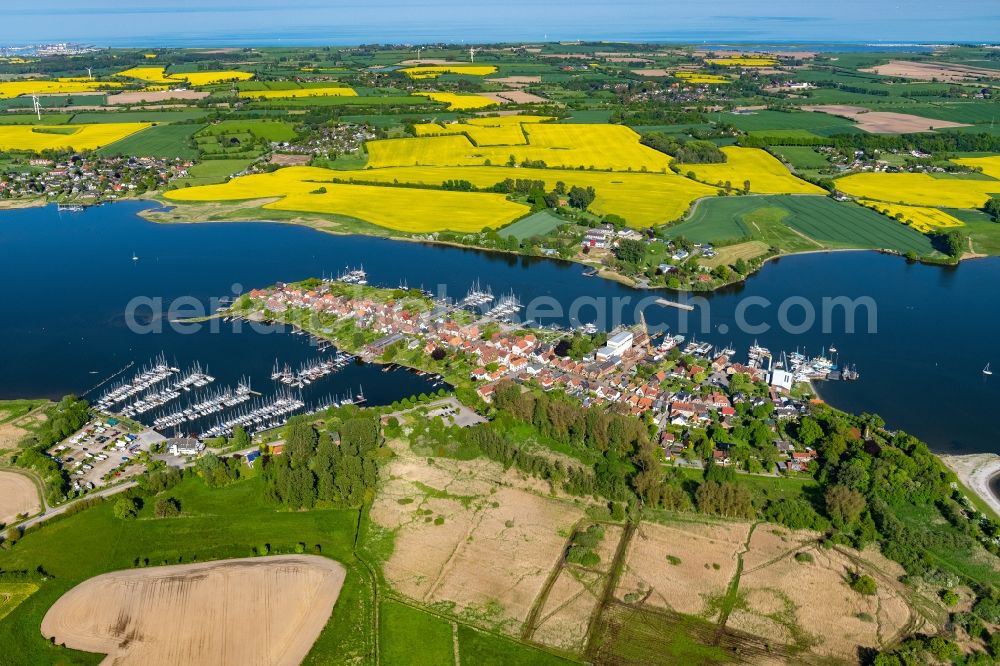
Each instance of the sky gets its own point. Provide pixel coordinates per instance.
(334, 22)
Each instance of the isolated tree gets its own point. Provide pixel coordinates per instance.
(843, 505)
(167, 508)
(125, 508)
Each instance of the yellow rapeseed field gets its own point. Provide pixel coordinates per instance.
(10, 89)
(702, 79)
(61, 137)
(643, 199)
(571, 146)
(919, 189)
(499, 131)
(403, 209)
(326, 91)
(151, 74)
(742, 62)
(434, 71)
(458, 102)
(989, 165)
(158, 75)
(766, 174)
(922, 218)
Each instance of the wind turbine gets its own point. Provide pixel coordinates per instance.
(37, 106)
(419, 49)
(90, 74)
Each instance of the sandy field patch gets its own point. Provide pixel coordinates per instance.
(565, 617)
(18, 494)
(784, 599)
(155, 96)
(495, 96)
(927, 71)
(651, 72)
(520, 97)
(609, 544)
(516, 81)
(471, 535)
(290, 160)
(688, 586)
(883, 122)
(14, 430)
(248, 611)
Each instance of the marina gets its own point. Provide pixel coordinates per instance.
(88, 339)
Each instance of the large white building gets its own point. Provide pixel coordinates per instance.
(618, 344)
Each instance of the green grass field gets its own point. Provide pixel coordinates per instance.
(780, 120)
(484, 649)
(801, 157)
(537, 224)
(271, 130)
(32, 119)
(408, 635)
(306, 102)
(12, 594)
(797, 224)
(152, 116)
(212, 171)
(157, 141)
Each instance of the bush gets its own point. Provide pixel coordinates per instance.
(167, 508)
(864, 584)
(949, 598)
(804, 557)
(673, 559)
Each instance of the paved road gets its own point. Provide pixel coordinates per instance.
(55, 511)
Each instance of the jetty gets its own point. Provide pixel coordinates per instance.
(674, 304)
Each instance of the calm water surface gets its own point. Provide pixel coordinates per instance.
(69, 278)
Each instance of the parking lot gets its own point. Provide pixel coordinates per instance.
(103, 451)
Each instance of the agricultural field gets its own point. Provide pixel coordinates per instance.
(642, 199)
(765, 122)
(487, 131)
(921, 189)
(766, 174)
(434, 71)
(158, 75)
(798, 224)
(801, 157)
(568, 146)
(293, 93)
(923, 219)
(9, 89)
(209, 172)
(18, 495)
(62, 137)
(459, 102)
(309, 190)
(538, 224)
(215, 525)
(702, 79)
(742, 61)
(132, 616)
(158, 141)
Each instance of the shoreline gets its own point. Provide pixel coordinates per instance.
(976, 471)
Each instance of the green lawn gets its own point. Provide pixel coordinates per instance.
(485, 649)
(537, 224)
(215, 524)
(157, 141)
(212, 171)
(798, 223)
(408, 635)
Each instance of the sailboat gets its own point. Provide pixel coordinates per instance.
(986, 370)
(135, 257)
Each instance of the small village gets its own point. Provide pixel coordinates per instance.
(683, 388)
(83, 178)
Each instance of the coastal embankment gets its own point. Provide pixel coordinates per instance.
(976, 470)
